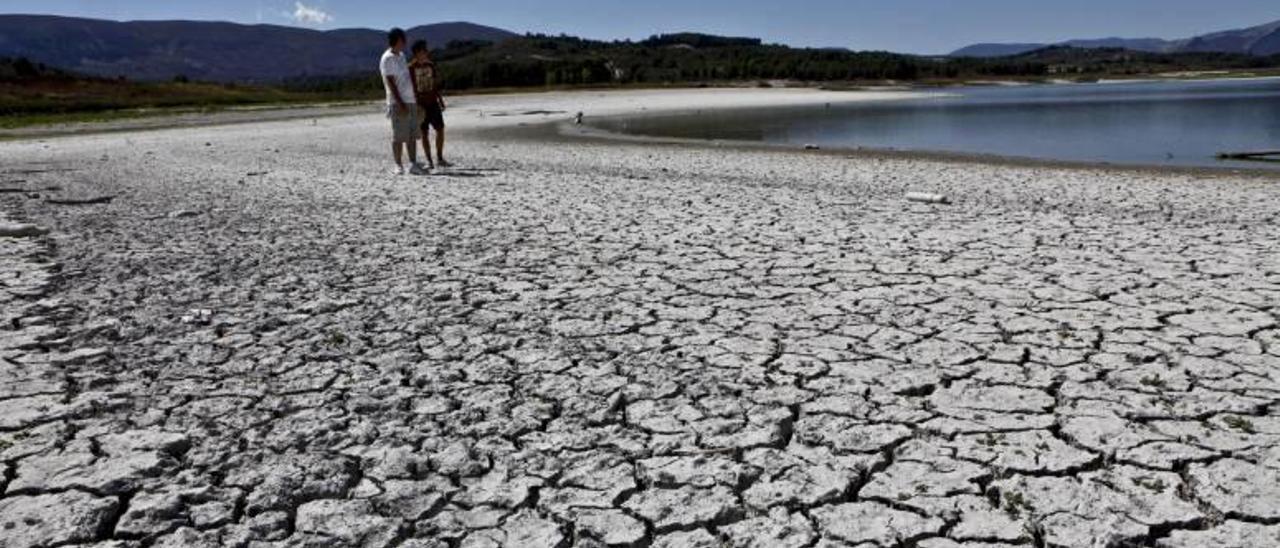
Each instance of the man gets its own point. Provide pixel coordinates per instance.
(402, 103)
(426, 85)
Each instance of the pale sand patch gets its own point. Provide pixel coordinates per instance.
(488, 111)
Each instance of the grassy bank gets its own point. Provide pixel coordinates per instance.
(37, 95)
(25, 104)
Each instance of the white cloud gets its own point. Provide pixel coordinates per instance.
(309, 15)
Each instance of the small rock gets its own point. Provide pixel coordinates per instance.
(198, 316)
(212, 514)
(152, 514)
(182, 214)
(55, 519)
(352, 522)
(927, 198)
(686, 508)
(698, 538)
(79, 356)
(527, 529)
(612, 527)
(779, 530)
(21, 230)
(873, 523)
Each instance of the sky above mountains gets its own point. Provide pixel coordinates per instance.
(911, 26)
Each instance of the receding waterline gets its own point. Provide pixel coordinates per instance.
(1176, 124)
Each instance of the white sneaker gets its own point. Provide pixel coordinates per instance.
(397, 171)
(418, 169)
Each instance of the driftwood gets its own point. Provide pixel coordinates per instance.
(1262, 155)
(80, 201)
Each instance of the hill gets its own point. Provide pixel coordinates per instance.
(34, 93)
(207, 51)
(1262, 40)
(995, 50)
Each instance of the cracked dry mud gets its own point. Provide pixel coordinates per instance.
(260, 341)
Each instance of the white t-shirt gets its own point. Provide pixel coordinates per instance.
(394, 65)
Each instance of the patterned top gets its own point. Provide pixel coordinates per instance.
(425, 82)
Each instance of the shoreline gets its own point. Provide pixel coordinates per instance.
(569, 131)
(487, 113)
(559, 126)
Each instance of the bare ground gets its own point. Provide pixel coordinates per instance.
(262, 340)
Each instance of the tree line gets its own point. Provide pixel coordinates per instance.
(537, 60)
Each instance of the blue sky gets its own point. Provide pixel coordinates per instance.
(918, 26)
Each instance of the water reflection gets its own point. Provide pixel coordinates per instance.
(1167, 123)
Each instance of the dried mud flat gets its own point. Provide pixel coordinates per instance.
(250, 336)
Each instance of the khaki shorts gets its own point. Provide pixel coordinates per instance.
(406, 126)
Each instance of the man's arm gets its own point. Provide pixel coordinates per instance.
(439, 91)
(395, 92)
(388, 74)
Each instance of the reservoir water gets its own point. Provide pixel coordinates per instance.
(1184, 123)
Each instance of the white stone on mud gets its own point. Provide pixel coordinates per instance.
(1030, 452)
(353, 522)
(699, 538)
(969, 396)
(413, 500)
(54, 519)
(1239, 488)
(698, 471)
(277, 482)
(905, 480)
(1230, 323)
(152, 512)
(777, 530)
(1232, 534)
(686, 507)
(76, 466)
(611, 527)
(870, 522)
(1116, 503)
(523, 529)
(20, 230)
(498, 488)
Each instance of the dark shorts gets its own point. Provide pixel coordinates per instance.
(432, 117)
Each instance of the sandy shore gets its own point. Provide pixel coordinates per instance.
(251, 335)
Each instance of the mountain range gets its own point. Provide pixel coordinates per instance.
(1261, 40)
(209, 51)
(269, 54)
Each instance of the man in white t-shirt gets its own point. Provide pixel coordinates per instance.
(402, 104)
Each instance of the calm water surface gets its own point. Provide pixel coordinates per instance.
(1157, 123)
